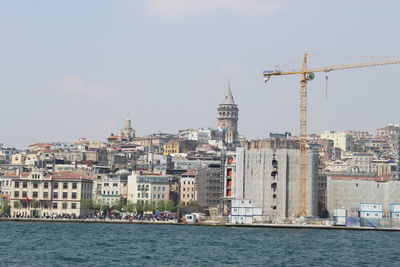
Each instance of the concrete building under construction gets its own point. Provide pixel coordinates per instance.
(266, 172)
(349, 191)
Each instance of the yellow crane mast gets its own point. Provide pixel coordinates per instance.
(307, 75)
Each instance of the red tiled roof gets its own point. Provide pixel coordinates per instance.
(380, 178)
(192, 172)
(70, 175)
(14, 175)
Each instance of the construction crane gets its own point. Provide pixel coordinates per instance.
(308, 75)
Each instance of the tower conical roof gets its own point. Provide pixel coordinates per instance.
(228, 99)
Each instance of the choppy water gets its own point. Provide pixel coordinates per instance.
(92, 244)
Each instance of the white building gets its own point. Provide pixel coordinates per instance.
(46, 194)
(148, 188)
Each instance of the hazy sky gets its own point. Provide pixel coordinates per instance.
(76, 68)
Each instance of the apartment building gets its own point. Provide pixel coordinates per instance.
(38, 194)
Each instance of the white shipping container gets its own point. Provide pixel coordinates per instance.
(242, 203)
(248, 211)
(257, 211)
(371, 214)
(248, 219)
(371, 207)
(339, 212)
(394, 207)
(339, 220)
(395, 215)
(235, 211)
(234, 219)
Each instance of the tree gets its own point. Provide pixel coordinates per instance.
(129, 207)
(139, 206)
(148, 206)
(5, 207)
(161, 205)
(35, 204)
(86, 204)
(17, 204)
(170, 206)
(193, 204)
(181, 204)
(119, 205)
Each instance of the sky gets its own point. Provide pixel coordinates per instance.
(79, 68)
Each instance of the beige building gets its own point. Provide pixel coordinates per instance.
(188, 185)
(341, 140)
(18, 159)
(179, 146)
(39, 194)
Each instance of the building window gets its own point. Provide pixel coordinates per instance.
(16, 184)
(55, 185)
(105, 184)
(74, 185)
(35, 184)
(24, 194)
(16, 193)
(115, 184)
(55, 194)
(45, 194)
(65, 185)
(54, 205)
(25, 184)
(46, 205)
(138, 195)
(162, 196)
(65, 195)
(34, 194)
(73, 195)
(64, 205)
(73, 205)
(46, 185)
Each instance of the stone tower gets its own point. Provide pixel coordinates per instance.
(228, 115)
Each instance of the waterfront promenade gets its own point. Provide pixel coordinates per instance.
(205, 223)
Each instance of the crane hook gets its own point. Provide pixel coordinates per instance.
(326, 88)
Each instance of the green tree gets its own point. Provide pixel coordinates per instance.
(193, 204)
(34, 204)
(86, 204)
(119, 205)
(181, 204)
(148, 206)
(5, 206)
(129, 207)
(170, 206)
(17, 204)
(160, 205)
(139, 206)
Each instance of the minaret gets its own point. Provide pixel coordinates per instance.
(228, 114)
